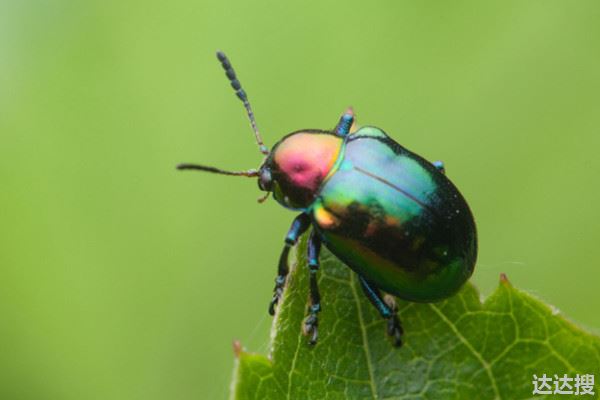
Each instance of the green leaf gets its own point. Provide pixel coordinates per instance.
(460, 348)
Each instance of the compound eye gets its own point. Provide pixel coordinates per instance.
(265, 182)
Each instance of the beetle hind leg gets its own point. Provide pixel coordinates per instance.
(387, 309)
(311, 322)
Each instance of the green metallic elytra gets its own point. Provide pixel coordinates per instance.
(395, 219)
(387, 213)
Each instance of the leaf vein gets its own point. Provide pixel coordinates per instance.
(364, 337)
(468, 345)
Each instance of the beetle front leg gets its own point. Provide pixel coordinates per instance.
(387, 310)
(299, 226)
(312, 320)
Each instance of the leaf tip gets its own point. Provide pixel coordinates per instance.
(504, 279)
(237, 348)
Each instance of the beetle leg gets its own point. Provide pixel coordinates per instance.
(439, 165)
(387, 311)
(344, 126)
(312, 321)
(299, 226)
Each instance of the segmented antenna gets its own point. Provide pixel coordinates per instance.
(250, 173)
(241, 94)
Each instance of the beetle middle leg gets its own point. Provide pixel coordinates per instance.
(299, 226)
(387, 311)
(311, 322)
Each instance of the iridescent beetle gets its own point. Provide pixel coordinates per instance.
(387, 213)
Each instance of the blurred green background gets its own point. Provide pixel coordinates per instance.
(124, 279)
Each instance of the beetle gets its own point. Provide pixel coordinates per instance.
(387, 213)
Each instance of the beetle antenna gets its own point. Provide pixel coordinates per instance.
(241, 94)
(250, 173)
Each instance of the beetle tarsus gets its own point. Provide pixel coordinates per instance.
(311, 328)
(311, 324)
(394, 326)
(312, 321)
(387, 309)
(277, 293)
(394, 330)
(281, 278)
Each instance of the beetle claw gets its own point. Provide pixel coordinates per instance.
(272, 305)
(314, 337)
